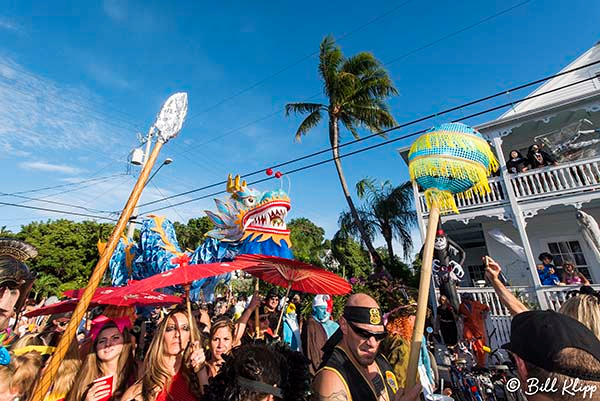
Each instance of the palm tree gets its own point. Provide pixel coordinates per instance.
(388, 210)
(357, 88)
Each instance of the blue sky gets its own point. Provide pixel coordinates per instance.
(79, 79)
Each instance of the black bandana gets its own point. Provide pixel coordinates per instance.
(259, 387)
(359, 314)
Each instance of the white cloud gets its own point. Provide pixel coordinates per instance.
(50, 167)
(37, 112)
(9, 25)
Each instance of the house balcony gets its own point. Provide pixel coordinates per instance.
(543, 184)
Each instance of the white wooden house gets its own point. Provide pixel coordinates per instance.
(535, 209)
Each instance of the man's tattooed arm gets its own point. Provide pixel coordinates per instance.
(336, 396)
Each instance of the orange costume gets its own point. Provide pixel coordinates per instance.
(473, 313)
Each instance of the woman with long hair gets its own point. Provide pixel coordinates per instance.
(222, 338)
(174, 366)
(111, 354)
(572, 276)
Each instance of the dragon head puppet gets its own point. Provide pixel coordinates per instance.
(253, 218)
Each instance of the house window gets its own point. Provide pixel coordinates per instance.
(476, 272)
(569, 250)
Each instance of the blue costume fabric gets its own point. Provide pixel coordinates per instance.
(291, 332)
(546, 277)
(322, 316)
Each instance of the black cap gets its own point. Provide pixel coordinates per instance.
(273, 292)
(538, 337)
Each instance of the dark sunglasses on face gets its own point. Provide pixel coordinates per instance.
(264, 318)
(365, 333)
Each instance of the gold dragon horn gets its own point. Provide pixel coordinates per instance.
(233, 184)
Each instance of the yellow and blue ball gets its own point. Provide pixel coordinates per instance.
(451, 159)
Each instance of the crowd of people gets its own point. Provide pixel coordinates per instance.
(222, 352)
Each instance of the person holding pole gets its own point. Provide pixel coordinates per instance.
(352, 367)
(174, 367)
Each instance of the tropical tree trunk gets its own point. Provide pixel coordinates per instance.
(388, 237)
(334, 140)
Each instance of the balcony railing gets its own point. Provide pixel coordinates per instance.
(564, 179)
(557, 180)
(495, 197)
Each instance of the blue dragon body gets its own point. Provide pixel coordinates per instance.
(248, 222)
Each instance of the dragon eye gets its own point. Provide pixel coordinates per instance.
(249, 201)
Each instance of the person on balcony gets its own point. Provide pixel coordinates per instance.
(572, 276)
(447, 321)
(538, 158)
(516, 163)
(547, 270)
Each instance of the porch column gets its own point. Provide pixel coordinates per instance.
(520, 222)
(421, 223)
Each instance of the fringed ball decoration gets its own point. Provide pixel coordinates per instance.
(451, 159)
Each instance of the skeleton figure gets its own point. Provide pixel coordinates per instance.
(447, 272)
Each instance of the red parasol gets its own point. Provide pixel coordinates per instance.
(293, 275)
(302, 276)
(58, 307)
(114, 296)
(182, 275)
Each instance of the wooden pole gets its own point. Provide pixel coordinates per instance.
(257, 311)
(49, 374)
(189, 310)
(417, 337)
(287, 294)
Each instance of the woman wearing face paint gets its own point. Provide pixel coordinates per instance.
(174, 367)
(111, 354)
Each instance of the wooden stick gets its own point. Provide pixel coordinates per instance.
(49, 374)
(189, 310)
(287, 294)
(257, 311)
(417, 337)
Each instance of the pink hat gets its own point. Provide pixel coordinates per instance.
(101, 321)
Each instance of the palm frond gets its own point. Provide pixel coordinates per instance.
(374, 116)
(302, 108)
(360, 64)
(311, 121)
(330, 58)
(350, 124)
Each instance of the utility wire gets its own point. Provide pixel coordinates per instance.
(57, 203)
(298, 61)
(421, 119)
(63, 185)
(381, 143)
(392, 61)
(57, 211)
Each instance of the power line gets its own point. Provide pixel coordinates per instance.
(298, 61)
(392, 61)
(63, 185)
(57, 211)
(420, 119)
(56, 203)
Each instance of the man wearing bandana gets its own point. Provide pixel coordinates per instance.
(352, 367)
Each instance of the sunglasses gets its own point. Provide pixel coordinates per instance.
(264, 318)
(365, 333)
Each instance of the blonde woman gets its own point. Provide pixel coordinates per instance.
(18, 377)
(111, 354)
(174, 367)
(65, 377)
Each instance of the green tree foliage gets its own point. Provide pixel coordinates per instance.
(307, 240)
(387, 211)
(67, 252)
(191, 235)
(357, 89)
(352, 257)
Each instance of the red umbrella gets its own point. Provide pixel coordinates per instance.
(127, 296)
(293, 275)
(113, 298)
(182, 275)
(59, 307)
